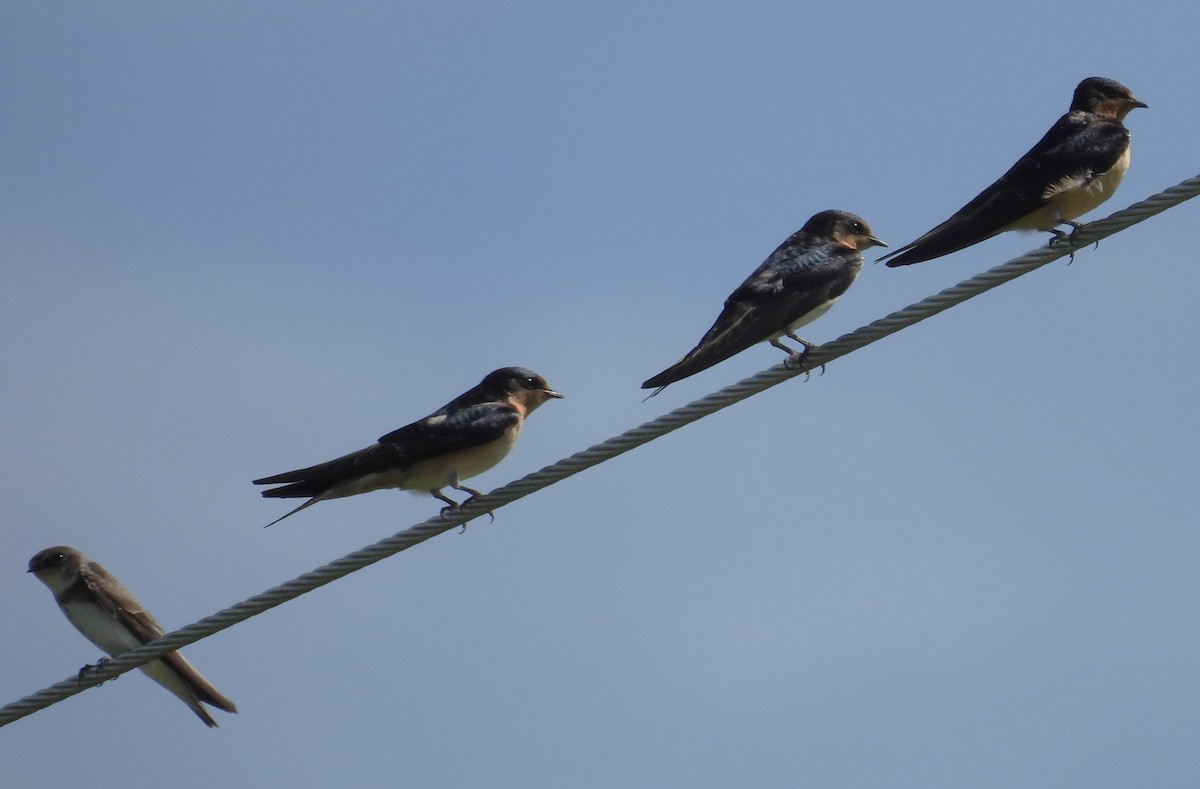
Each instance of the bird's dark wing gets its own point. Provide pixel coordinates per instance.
(434, 436)
(782, 290)
(461, 428)
(1078, 146)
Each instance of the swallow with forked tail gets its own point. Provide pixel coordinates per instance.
(797, 284)
(1074, 168)
(466, 437)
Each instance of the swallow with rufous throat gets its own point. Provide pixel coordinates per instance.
(463, 438)
(1074, 168)
(797, 284)
(110, 617)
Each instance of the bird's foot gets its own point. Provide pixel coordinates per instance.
(1071, 239)
(99, 664)
(1062, 239)
(489, 513)
(474, 494)
(798, 360)
(451, 504)
(452, 507)
(1059, 238)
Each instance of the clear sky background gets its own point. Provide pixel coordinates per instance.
(240, 238)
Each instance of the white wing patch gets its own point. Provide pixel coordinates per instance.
(1068, 184)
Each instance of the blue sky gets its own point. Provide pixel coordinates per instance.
(240, 238)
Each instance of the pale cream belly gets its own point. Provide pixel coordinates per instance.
(434, 473)
(808, 318)
(1074, 197)
(101, 628)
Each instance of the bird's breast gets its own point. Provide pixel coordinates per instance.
(1075, 195)
(101, 628)
(436, 472)
(810, 316)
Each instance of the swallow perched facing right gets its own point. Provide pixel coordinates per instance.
(463, 438)
(1071, 170)
(797, 284)
(110, 617)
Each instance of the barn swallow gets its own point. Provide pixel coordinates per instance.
(110, 617)
(797, 284)
(463, 438)
(1074, 168)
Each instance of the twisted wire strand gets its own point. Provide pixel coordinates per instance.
(606, 450)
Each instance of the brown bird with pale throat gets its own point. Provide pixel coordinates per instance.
(110, 617)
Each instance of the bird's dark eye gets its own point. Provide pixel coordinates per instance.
(531, 383)
(856, 227)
